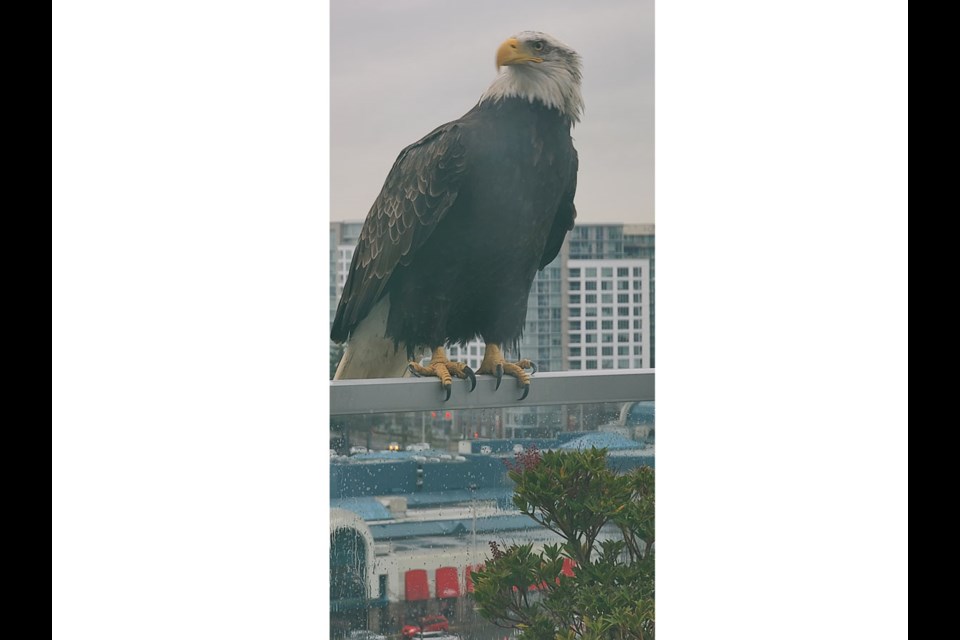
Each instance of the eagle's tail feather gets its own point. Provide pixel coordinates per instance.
(369, 353)
(371, 358)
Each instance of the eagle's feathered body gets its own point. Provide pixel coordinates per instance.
(465, 218)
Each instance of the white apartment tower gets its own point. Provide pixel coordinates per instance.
(608, 311)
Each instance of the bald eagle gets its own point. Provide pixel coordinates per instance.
(465, 218)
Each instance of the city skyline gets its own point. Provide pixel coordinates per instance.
(398, 71)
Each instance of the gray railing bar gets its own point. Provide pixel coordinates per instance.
(388, 395)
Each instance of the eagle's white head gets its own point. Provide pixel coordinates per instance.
(538, 67)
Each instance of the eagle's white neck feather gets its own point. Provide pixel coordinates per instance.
(556, 86)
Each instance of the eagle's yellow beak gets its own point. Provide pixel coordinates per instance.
(513, 52)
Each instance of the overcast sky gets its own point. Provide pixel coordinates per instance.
(400, 69)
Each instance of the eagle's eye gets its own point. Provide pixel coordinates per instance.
(538, 45)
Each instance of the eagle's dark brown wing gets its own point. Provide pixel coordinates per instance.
(419, 190)
(566, 214)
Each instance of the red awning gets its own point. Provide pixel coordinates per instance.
(416, 585)
(469, 579)
(448, 584)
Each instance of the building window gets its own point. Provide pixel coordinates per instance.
(623, 363)
(623, 337)
(636, 272)
(608, 363)
(575, 299)
(575, 312)
(574, 351)
(591, 351)
(591, 272)
(623, 285)
(623, 351)
(591, 325)
(575, 286)
(637, 324)
(574, 338)
(590, 298)
(606, 351)
(637, 298)
(606, 298)
(607, 312)
(575, 325)
(574, 273)
(575, 365)
(623, 324)
(606, 272)
(606, 325)
(606, 285)
(637, 337)
(590, 285)
(623, 298)
(638, 351)
(591, 337)
(591, 312)
(591, 364)
(623, 311)
(608, 337)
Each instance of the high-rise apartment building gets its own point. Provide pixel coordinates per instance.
(638, 242)
(609, 320)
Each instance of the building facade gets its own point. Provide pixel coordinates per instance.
(639, 242)
(609, 317)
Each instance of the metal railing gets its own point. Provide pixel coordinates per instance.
(387, 395)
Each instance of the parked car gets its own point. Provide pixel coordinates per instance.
(419, 446)
(393, 446)
(432, 627)
(435, 623)
(355, 450)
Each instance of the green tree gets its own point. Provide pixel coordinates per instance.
(611, 594)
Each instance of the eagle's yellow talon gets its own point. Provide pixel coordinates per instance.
(495, 365)
(444, 369)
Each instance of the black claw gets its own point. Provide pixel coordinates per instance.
(499, 373)
(447, 388)
(526, 390)
(412, 370)
(533, 365)
(472, 376)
